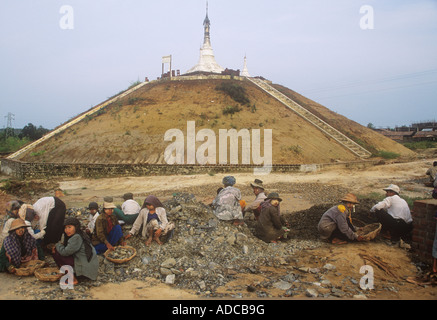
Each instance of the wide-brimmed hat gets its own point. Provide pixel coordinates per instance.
(257, 184)
(393, 188)
(108, 205)
(128, 196)
(17, 224)
(350, 197)
(274, 195)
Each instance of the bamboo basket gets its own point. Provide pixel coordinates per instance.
(48, 274)
(28, 268)
(118, 261)
(370, 231)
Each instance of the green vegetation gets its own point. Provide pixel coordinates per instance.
(387, 154)
(38, 153)
(420, 145)
(11, 142)
(236, 92)
(231, 110)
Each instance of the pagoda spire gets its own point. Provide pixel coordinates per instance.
(207, 26)
(207, 61)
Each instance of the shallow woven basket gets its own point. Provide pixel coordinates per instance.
(370, 231)
(106, 254)
(28, 268)
(45, 274)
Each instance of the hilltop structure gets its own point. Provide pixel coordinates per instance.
(207, 61)
(245, 72)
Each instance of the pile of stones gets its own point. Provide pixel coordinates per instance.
(205, 253)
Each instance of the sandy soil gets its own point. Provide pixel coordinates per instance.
(409, 176)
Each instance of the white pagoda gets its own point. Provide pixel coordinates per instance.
(207, 61)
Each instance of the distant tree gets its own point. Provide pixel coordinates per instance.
(370, 126)
(32, 132)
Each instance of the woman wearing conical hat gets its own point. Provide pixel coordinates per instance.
(335, 227)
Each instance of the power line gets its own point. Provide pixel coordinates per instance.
(379, 90)
(346, 85)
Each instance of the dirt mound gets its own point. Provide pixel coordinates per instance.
(132, 129)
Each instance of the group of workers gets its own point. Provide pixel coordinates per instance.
(30, 231)
(334, 226)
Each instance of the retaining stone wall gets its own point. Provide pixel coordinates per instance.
(424, 229)
(25, 170)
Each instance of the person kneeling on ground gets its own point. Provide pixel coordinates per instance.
(153, 218)
(335, 225)
(394, 214)
(18, 247)
(108, 231)
(270, 226)
(76, 251)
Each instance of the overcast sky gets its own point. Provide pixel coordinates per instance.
(379, 69)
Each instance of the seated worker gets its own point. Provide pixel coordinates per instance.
(335, 225)
(260, 196)
(432, 173)
(394, 214)
(129, 209)
(153, 219)
(108, 231)
(93, 207)
(18, 247)
(270, 226)
(12, 208)
(227, 204)
(76, 251)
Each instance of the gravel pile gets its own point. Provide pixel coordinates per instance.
(205, 253)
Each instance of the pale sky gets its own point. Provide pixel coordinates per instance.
(328, 51)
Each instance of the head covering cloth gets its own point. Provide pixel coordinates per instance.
(71, 221)
(153, 201)
(229, 181)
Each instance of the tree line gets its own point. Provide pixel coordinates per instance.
(13, 139)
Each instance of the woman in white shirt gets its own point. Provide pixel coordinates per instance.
(51, 214)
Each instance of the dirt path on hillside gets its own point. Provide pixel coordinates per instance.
(347, 259)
